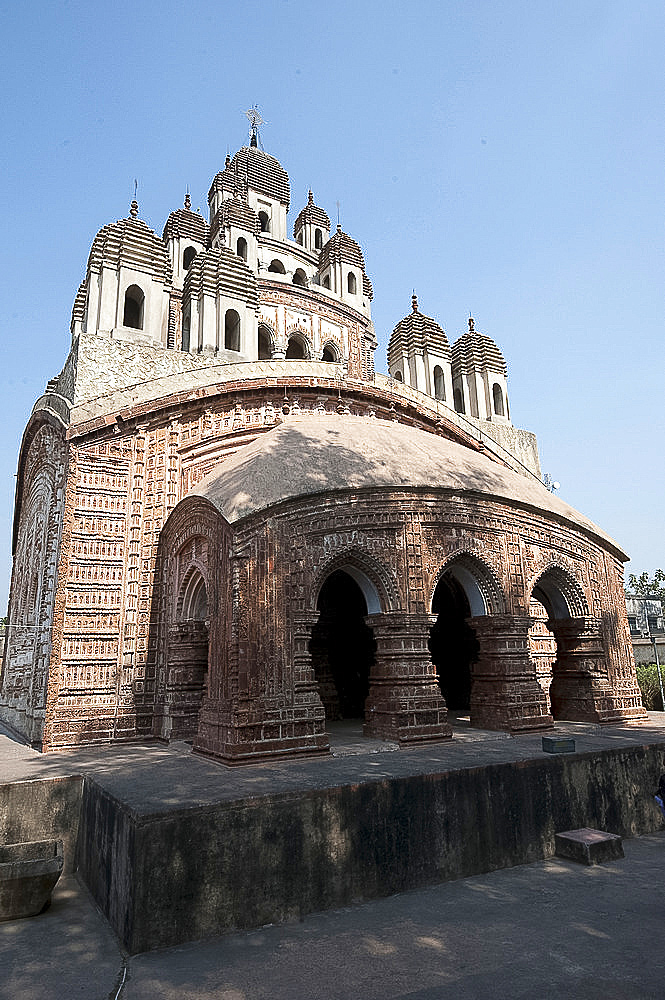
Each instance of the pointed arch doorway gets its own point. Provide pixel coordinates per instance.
(342, 645)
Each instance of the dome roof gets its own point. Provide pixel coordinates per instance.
(476, 352)
(313, 214)
(133, 243)
(186, 224)
(252, 168)
(342, 248)
(416, 332)
(317, 454)
(235, 212)
(221, 270)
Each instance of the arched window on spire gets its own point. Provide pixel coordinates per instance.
(232, 330)
(497, 395)
(133, 312)
(264, 221)
(188, 257)
(241, 247)
(318, 239)
(439, 384)
(351, 283)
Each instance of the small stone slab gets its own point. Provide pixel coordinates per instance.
(558, 744)
(589, 847)
(28, 873)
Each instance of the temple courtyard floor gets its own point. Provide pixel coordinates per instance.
(541, 929)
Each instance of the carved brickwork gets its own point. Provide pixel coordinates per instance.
(39, 523)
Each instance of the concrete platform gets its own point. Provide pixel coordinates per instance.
(175, 847)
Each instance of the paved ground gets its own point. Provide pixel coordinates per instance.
(552, 929)
(547, 930)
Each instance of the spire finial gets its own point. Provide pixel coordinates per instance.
(414, 301)
(134, 207)
(310, 198)
(471, 326)
(255, 120)
(188, 200)
(338, 223)
(228, 158)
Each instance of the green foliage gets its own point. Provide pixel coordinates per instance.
(646, 586)
(647, 678)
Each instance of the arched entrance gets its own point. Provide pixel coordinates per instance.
(453, 643)
(187, 659)
(342, 645)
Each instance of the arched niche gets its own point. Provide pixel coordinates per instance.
(132, 315)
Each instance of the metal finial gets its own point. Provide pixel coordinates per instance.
(228, 158)
(310, 198)
(188, 201)
(337, 203)
(471, 326)
(134, 209)
(414, 302)
(255, 120)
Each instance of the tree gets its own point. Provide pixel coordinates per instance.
(646, 586)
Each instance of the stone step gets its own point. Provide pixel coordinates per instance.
(589, 847)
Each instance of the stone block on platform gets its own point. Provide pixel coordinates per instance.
(589, 847)
(28, 874)
(558, 744)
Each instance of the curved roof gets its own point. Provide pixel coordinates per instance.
(235, 212)
(415, 332)
(311, 213)
(474, 351)
(221, 270)
(342, 247)
(317, 454)
(133, 243)
(187, 224)
(252, 168)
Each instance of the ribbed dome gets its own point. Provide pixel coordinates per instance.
(342, 248)
(132, 243)
(251, 167)
(186, 224)
(221, 270)
(313, 214)
(235, 212)
(475, 352)
(416, 332)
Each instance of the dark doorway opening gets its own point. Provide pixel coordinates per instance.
(453, 643)
(342, 648)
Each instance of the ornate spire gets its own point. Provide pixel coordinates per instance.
(310, 197)
(188, 202)
(471, 326)
(134, 209)
(414, 302)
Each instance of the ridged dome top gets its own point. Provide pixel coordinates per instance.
(235, 212)
(221, 270)
(252, 168)
(132, 243)
(475, 352)
(186, 224)
(342, 248)
(313, 214)
(416, 332)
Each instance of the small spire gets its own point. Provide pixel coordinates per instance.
(471, 326)
(134, 207)
(188, 201)
(228, 158)
(310, 198)
(414, 302)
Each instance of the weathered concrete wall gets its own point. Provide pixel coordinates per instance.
(172, 877)
(47, 809)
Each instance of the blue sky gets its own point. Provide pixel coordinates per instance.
(504, 159)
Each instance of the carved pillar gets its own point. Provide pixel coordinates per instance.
(580, 689)
(308, 713)
(504, 691)
(404, 701)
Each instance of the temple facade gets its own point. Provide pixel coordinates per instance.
(231, 529)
